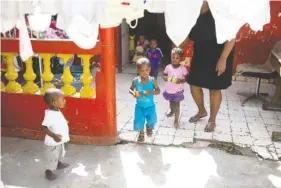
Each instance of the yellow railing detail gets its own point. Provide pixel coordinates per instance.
(87, 90)
(11, 74)
(2, 84)
(67, 78)
(47, 75)
(30, 87)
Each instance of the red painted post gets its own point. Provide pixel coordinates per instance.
(108, 67)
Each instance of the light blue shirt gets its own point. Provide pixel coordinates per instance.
(144, 101)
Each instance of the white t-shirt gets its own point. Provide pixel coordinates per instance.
(56, 123)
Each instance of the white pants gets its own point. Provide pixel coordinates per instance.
(53, 154)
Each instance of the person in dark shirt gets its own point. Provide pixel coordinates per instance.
(154, 54)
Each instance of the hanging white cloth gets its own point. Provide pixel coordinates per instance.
(230, 16)
(117, 10)
(113, 15)
(180, 17)
(81, 18)
(81, 21)
(26, 50)
(39, 21)
(9, 15)
(83, 33)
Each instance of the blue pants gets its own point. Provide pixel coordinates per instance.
(143, 115)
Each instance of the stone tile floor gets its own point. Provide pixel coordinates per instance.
(246, 126)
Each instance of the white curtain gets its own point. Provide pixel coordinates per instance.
(82, 18)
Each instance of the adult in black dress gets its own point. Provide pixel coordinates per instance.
(211, 66)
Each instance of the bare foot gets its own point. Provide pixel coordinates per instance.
(50, 175)
(141, 137)
(62, 165)
(170, 114)
(176, 124)
(197, 117)
(210, 127)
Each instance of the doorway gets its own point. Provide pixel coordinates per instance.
(152, 26)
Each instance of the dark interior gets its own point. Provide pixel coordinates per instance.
(152, 26)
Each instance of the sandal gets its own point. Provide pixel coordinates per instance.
(210, 127)
(141, 137)
(197, 117)
(149, 131)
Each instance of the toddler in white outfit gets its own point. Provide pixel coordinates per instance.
(57, 132)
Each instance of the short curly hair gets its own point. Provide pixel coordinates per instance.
(142, 61)
(50, 96)
(178, 51)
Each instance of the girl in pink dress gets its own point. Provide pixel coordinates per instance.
(174, 76)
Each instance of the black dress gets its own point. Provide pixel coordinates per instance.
(206, 55)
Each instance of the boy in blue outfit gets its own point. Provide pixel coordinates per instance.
(154, 54)
(143, 88)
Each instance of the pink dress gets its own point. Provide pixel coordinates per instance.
(174, 92)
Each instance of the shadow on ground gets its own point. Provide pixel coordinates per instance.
(133, 166)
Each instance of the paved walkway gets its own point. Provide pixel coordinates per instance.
(247, 126)
(135, 166)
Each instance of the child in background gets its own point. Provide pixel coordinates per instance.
(154, 55)
(142, 42)
(56, 129)
(138, 54)
(144, 88)
(174, 75)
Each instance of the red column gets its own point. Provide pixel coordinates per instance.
(108, 68)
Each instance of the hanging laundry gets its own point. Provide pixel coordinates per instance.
(117, 10)
(39, 22)
(228, 20)
(26, 50)
(9, 15)
(81, 20)
(180, 17)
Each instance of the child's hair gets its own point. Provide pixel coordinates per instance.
(154, 40)
(50, 96)
(142, 61)
(178, 51)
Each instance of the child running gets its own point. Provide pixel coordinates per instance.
(154, 54)
(143, 88)
(57, 132)
(174, 75)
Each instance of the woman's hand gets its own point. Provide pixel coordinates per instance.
(165, 78)
(221, 66)
(186, 62)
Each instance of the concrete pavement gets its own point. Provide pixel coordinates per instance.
(246, 126)
(136, 166)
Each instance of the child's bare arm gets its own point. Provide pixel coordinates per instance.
(132, 88)
(51, 134)
(156, 90)
(165, 77)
